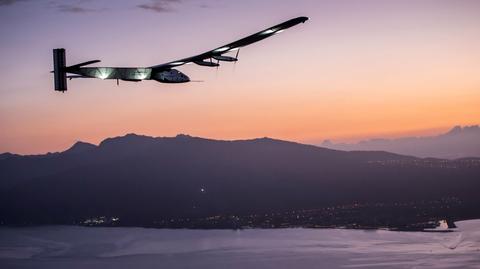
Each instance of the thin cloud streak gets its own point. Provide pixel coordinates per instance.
(74, 9)
(159, 6)
(78, 7)
(10, 2)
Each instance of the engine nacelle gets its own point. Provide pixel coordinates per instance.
(225, 58)
(171, 76)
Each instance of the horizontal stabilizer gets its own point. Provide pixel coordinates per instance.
(70, 77)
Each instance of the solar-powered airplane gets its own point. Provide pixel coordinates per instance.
(164, 73)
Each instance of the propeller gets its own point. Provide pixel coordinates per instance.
(238, 52)
(236, 57)
(216, 70)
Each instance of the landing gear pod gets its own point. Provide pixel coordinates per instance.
(60, 76)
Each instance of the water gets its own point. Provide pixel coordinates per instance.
(81, 247)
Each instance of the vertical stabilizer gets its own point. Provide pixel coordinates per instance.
(60, 76)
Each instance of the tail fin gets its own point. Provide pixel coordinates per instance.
(60, 76)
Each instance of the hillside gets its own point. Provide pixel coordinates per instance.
(143, 179)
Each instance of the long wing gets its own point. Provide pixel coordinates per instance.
(201, 59)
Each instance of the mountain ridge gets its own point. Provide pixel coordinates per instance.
(458, 142)
(81, 146)
(141, 179)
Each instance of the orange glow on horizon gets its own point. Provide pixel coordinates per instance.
(384, 69)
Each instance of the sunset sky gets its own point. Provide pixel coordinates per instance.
(356, 69)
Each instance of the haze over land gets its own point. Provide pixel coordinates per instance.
(457, 143)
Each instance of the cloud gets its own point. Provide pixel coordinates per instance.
(159, 5)
(85, 6)
(73, 8)
(9, 2)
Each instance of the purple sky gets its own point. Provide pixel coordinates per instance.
(356, 69)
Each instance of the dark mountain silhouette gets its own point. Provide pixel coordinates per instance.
(457, 143)
(142, 179)
(6, 155)
(80, 147)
